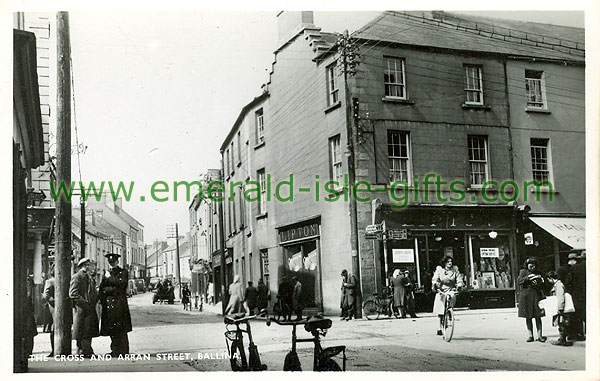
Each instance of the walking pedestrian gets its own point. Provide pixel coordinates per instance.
(410, 295)
(236, 297)
(297, 303)
(561, 319)
(262, 297)
(186, 294)
(116, 319)
(82, 292)
(284, 296)
(210, 291)
(531, 282)
(348, 295)
(577, 290)
(48, 295)
(397, 283)
(251, 295)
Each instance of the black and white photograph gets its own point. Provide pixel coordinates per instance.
(277, 190)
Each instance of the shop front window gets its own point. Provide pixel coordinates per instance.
(490, 261)
(302, 261)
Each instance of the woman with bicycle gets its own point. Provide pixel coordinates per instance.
(445, 278)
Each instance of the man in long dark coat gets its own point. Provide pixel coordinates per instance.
(82, 292)
(348, 295)
(49, 289)
(116, 320)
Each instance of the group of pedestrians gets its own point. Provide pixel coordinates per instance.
(251, 299)
(566, 284)
(85, 296)
(403, 297)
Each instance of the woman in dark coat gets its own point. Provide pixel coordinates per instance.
(116, 320)
(531, 283)
(397, 282)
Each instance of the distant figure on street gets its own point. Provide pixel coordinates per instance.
(561, 319)
(116, 319)
(251, 296)
(236, 297)
(29, 325)
(397, 283)
(297, 298)
(82, 292)
(284, 296)
(409, 294)
(186, 295)
(348, 295)
(531, 282)
(210, 291)
(262, 297)
(48, 295)
(577, 288)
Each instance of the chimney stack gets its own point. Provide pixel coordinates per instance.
(290, 23)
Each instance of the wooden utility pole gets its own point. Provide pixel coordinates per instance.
(348, 67)
(62, 313)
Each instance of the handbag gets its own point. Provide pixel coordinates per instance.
(569, 306)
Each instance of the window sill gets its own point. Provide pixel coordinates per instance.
(398, 100)
(332, 107)
(261, 216)
(249, 233)
(476, 106)
(543, 190)
(538, 110)
(335, 192)
(261, 144)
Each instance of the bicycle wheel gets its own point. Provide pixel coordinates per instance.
(237, 359)
(370, 310)
(448, 325)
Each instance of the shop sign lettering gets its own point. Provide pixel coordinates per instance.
(489, 252)
(299, 232)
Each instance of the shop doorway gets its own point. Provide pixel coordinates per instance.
(302, 260)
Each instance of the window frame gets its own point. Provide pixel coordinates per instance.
(333, 89)
(259, 123)
(548, 159)
(485, 138)
(474, 90)
(402, 85)
(543, 105)
(261, 177)
(408, 158)
(335, 166)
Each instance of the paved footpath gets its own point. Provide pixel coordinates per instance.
(484, 340)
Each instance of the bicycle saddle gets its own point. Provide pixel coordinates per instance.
(317, 322)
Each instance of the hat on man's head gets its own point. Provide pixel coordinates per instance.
(574, 256)
(82, 262)
(112, 255)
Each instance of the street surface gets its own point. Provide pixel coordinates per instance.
(484, 340)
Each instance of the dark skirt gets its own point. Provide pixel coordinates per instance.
(528, 303)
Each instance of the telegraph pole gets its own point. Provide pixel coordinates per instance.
(62, 314)
(349, 62)
(176, 236)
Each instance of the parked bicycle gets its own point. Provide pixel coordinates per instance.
(322, 357)
(238, 359)
(448, 320)
(281, 309)
(377, 305)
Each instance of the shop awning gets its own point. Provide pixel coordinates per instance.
(570, 230)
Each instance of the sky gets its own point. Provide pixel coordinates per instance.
(156, 93)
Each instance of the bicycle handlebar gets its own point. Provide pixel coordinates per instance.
(229, 319)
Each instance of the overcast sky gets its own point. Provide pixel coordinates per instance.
(156, 93)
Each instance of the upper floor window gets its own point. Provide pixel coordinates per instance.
(540, 160)
(478, 160)
(239, 147)
(227, 165)
(399, 156)
(534, 85)
(335, 155)
(232, 162)
(262, 180)
(332, 84)
(474, 88)
(394, 78)
(260, 127)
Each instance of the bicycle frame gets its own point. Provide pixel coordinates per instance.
(252, 362)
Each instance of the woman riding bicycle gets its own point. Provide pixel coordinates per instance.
(446, 278)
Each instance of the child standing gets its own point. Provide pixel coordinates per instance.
(561, 319)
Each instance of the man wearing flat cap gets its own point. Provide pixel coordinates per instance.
(116, 320)
(82, 292)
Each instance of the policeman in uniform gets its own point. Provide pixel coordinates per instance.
(116, 320)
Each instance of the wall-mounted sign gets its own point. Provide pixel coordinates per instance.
(397, 234)
(403, 255)
(298, 232)
(372, 229)
(489, 252)
(528, 238)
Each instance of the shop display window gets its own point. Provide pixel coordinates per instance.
(491, 266)
(302, 261)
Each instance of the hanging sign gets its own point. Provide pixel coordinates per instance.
(489, 252)
(528, 238)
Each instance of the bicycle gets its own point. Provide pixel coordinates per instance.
(322, 357)
(238, 359)
(448, 320)
(377, 305)
(281, 309)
